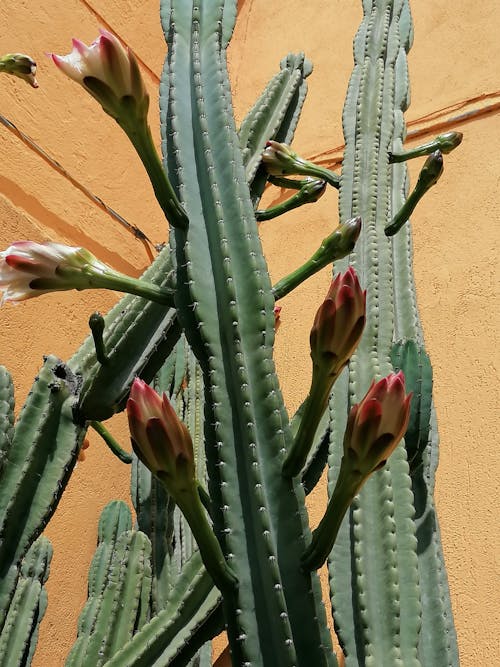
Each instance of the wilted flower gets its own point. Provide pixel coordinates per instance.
(110, 73)
(339, 323)
(20, 65)
(159, 438)
(277, 320)
(376, 424)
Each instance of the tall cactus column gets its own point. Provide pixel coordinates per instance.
(377, 562)
(225, 305)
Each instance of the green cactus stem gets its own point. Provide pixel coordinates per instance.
(140, 136)
(44, 450)
(323, 538)
(19, 632)
(111, 442)
(119, 589)
(429, 176)
(445, 143)
(310, 191)
(193, 510)
(334, 247)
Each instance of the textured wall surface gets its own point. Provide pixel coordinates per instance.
(454, 73)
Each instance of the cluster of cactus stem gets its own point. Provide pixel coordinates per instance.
(221, 538)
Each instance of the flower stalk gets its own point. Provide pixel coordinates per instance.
(335, 246)
(443, 142)
(310, 191)
(111, 74)
(429, 176)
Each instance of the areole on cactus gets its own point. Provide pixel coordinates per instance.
(222, 539)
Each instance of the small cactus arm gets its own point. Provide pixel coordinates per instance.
(119, 589)
(38, 462)
(27, 606)
(388, 585)
(276, 616)
(137, 337)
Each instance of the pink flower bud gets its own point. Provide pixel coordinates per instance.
(159, 438)
(109, 72)
(376, 424)
(339, 323)
(28, 269)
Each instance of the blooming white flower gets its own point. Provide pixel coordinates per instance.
(28, 269)
(109, 72)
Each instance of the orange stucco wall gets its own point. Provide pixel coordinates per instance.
(456, 228)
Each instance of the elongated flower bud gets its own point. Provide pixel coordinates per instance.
(339, 323)
(374, 428)
(159, 438)
(110, 73)
(376, 424)
(162, 442)
(20, 65)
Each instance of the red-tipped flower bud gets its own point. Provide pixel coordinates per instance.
(339, 323)
(376, 424)
(159, 438)
(110, 73)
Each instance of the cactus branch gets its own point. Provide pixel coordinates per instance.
(96, 324)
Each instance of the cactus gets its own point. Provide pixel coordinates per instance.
(151, 599)
(27, 606)
(388, 611)
(119, 588)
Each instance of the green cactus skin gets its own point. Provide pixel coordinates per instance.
(44, 450)
(413, 360)
(194, 603)
(6, 414)
(119, 590)
(388, 584)
(138, 336)
(19, 633)
(268, 114)
(222, 274)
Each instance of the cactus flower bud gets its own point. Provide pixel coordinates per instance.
(110, 73)
(339, 323)
(162, 442)
(374, 428)
(376, 424)
(159, 438)
(20, 65)
(449, 141)
(28, 269)
(279, 159)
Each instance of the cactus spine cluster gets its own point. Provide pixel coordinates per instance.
(150, 597)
